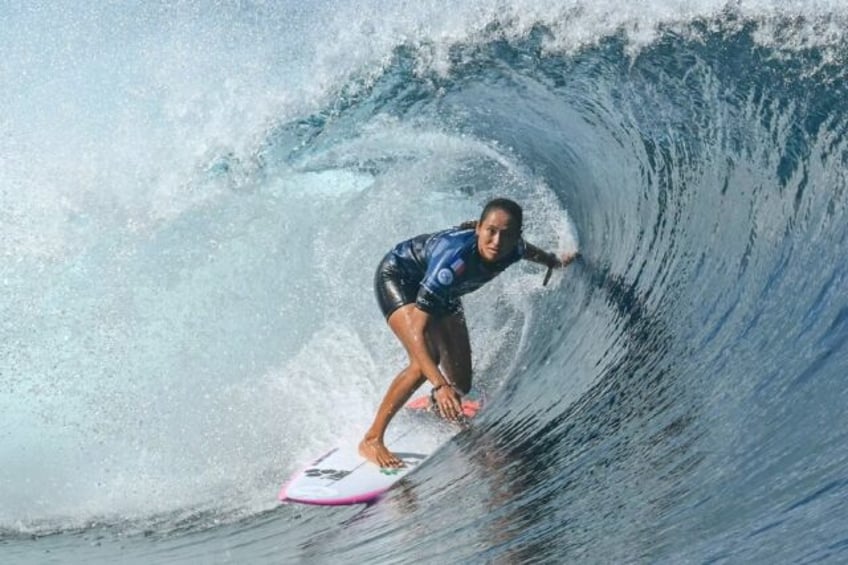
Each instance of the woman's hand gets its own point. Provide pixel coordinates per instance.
(567, 258)
(555, 262)
(448, 402)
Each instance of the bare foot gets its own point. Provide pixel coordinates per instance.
(377, 453)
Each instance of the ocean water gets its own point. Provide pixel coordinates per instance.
(193, 198)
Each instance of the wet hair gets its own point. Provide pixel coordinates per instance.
(509, 206)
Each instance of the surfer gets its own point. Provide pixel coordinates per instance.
(418, 286)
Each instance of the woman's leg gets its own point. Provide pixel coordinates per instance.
(451, 339)
(372, 447)
(448, 342)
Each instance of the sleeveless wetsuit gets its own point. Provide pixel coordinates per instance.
(434, 270)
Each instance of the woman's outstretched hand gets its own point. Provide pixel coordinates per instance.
(449, 403)
(559, 262)
(567, 258)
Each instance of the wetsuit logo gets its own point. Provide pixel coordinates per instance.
(445, 277)
(458, 267)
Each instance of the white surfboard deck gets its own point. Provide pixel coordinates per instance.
(342, 476)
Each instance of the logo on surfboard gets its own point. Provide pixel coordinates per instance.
(329, 474)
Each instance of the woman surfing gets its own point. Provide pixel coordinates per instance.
(418, 286)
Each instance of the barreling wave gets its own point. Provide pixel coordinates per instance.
(659, 392)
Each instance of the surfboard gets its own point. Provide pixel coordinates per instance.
(470, 405)
(342, 477)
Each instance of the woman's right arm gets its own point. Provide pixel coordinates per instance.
(446, 397)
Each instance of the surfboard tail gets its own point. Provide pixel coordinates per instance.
(471, 404)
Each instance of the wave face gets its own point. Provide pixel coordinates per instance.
(193, 209)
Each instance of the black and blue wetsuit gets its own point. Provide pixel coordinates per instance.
(434, 270)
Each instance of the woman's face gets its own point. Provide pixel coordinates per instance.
(497, 235)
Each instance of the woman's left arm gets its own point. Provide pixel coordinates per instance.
(550, 260)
